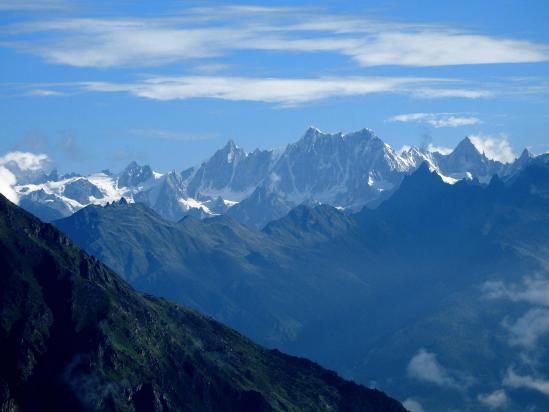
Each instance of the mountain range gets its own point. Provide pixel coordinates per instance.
(347, 171)
(76, 337)
(436, 295)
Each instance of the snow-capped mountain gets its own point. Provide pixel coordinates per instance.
(465, 161)
(348, 171)
(231, 173)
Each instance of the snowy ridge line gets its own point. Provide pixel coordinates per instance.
(344, 170)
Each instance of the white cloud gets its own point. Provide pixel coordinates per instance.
(514, 380)
(409, 117)
(7, 182)
(454, 121)
(413, 405)
(205, 32)
(436, 120)
(18, 165)
(432, 47)
(534, 323)
(25, 161)
(534, 290)
(527, 329)
(424, 366)
(283, 91)
(440, 149)
(437, 93)
(494, 147)
(44, 93)
(494, 400)
(286, 91)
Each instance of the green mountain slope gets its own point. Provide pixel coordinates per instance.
(74, 336)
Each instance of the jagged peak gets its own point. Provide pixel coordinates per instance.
(230, 145)
(312, 134)
(228, 152)
(423, 169)
(526, 154)
(364, 132)
(466, 147)
(423, 174)
(313, 130)
(133, 165)
(467, 142)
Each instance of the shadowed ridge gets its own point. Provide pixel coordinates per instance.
(74, 336)
(310, 223)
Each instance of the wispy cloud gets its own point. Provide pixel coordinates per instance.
(437, 93)
(529, 328)
(207, 32)
(283, 91)
(45, 93)
(436, 120)
(514, 380)
(534, 323)
(440, 149)
(532, 289)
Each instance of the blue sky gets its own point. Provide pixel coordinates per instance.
(95, 85)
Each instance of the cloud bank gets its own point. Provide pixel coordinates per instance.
(526, 331)
(20, 166)
(7, 182)
(494, 147)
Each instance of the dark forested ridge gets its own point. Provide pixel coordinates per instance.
(74, 336)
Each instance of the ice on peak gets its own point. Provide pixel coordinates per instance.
(365, 132)
(230, 150)
(313, 130)
(312, 134)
